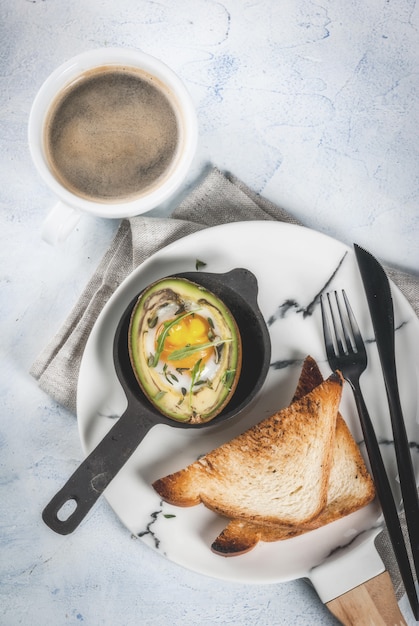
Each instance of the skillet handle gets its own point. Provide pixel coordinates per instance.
(373, 602)
(90, 479)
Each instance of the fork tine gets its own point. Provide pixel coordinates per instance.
(356, 333)
(328, 340)
(349, 326)
(339, 331)
(333, 340)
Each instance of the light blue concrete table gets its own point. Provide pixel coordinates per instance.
(313, 104)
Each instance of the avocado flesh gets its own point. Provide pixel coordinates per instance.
(198, 392)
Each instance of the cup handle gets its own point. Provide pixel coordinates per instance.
(59, 223)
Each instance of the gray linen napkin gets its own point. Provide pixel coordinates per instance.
(218, 199)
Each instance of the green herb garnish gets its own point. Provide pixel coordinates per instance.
(199, 264)
(153, 361)
(228, 378)
(197, 370)
(169, 376)
(182, 353)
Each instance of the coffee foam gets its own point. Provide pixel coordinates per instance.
(112, 134)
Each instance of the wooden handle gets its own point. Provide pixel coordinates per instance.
(373, 602)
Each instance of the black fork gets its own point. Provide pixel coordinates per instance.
(346, 352)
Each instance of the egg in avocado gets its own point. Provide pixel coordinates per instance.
(185, 349)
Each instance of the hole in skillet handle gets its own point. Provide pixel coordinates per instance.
(238, 290)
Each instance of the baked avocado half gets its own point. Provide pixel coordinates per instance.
(185, 349)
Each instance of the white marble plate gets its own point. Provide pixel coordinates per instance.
(293, 266)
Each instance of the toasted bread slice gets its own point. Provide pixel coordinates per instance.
(240, 536)
(350, 486)
(276, 472)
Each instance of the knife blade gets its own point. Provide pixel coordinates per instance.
(380, 303)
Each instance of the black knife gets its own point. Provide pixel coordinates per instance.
(378, 292)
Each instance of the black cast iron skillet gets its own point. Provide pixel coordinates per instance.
(238, 289)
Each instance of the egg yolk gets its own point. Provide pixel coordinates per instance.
(192, 330)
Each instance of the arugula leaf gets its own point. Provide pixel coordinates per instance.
(182, 353)
(197, 370)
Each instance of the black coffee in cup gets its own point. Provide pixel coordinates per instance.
(112, 134)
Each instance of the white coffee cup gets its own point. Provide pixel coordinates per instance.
(64, 216)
